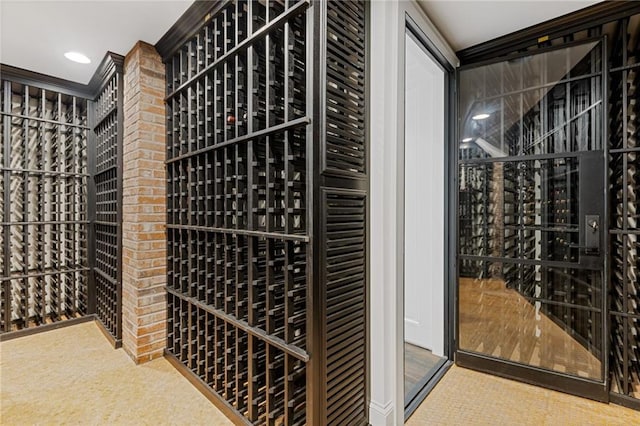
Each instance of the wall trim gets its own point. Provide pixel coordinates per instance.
(438, 45)
(186, 26)
(381, 414)
(10, 335)
(44, 81)
(111, 63)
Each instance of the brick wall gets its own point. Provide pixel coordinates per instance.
(144, 206)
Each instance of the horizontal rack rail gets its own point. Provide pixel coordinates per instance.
(44, 120)
(46, 222)
(245, 232)
(290, 125)
(44, 172)
(539, 87)
(243, 325)
(105, 117)
(517, 260)
(625, 67)
(262, 32)
(43, 274)
(523, 158)
(105, 275)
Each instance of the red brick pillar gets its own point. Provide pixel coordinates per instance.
(144, 206)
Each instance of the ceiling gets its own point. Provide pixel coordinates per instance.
(35, 34)
(467, 23)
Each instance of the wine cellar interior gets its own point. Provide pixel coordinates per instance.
(59, 231)
(45, 218)
(214, 201)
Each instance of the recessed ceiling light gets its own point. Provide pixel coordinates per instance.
(480, 116)
(467, 140)
(77, 57)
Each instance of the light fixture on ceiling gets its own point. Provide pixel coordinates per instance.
(465, 140)
(482, 116)
(77, 57)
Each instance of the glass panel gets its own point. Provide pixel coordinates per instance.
(505, 313)
(531, 270)
(520, 209)
(544, 103)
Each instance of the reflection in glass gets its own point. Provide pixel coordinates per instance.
(528, 322)
(544, 103)
(531, 213)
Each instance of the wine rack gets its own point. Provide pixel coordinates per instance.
(44, 218)
(624, 123)
(266, 209)
(107, 174)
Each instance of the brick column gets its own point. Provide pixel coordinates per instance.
(144, 206)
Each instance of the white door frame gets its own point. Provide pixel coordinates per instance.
(386, 295)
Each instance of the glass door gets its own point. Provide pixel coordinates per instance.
(532, 218)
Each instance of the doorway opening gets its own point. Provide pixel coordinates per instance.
(424, 236)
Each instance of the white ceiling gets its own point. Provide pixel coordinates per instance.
(467, 23)
(35, 34)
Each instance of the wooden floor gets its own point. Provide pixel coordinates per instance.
(466, 397)
(498, 321)
(418, 363)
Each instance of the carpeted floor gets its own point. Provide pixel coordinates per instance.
(73, 376)
(466, 397)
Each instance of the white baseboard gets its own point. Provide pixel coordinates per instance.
(380, 415)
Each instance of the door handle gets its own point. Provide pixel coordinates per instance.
(592, 233)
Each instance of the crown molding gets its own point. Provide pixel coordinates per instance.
(187, 25)
(570, 23)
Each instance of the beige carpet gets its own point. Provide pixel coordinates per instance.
(466, 397)
(73, 376)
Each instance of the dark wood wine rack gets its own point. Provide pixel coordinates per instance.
(624, 143)
(107, 171)
(266, 208)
